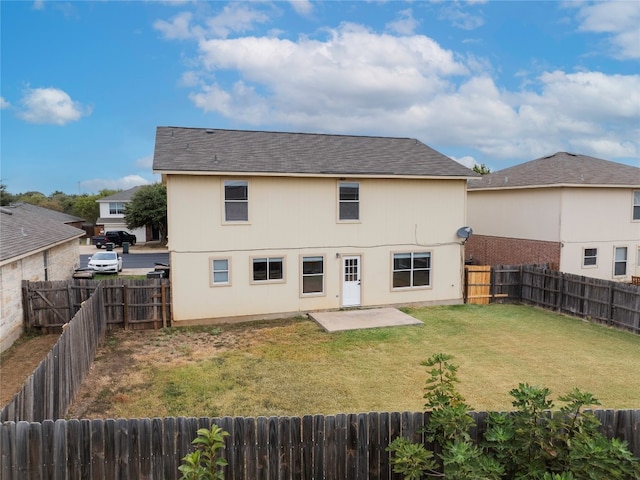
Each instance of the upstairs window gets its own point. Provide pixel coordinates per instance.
(620, 262)
(590, 257)
(411, 270)
(116, 208)
(268, 269)
(636, 205)
(349, 201)
(236, 201)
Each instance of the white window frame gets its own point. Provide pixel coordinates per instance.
(635, 206)
(225, 201)
(268, 259)
(616, 261)
(585, 257)
(342, 201)
(118, 208)
(213, 271)
(411, 269)
(304, 275)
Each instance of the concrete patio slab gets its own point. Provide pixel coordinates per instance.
(366, 318)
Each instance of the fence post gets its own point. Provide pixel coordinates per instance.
(163, 303)
(125, 306)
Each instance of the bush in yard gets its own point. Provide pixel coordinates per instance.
(205, 463)
(530, 443)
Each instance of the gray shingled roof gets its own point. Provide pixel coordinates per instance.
(561, 169)
(52, 214)
(181, 149)
(23, 231)
(123, 196)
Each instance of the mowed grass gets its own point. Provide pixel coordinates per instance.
(295, 368)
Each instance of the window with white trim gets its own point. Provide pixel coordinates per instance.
(236, 201)
(267, 269)
(312, 275)
(220, 271)
(636, 205)
(116, 208)
(411, 269)
(620, 262)
(590, 257)
(349, 201)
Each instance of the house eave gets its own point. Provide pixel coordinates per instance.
(551, 185)
(387, 175)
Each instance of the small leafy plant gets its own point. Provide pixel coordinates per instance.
(531, 443)
(205, 463)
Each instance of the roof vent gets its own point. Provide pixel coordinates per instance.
(210, 130)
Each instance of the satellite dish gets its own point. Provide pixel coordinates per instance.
(464, 232)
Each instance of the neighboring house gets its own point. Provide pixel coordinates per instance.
(268, 224)
(112, 216)
(34, 247)
(61, 217)
(580, 214)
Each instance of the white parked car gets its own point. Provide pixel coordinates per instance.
(107, 262)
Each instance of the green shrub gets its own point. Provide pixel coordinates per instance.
(533, 442)
(205, 463)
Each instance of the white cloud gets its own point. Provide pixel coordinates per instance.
(619, 19)
(467, 161)
(234, 18)
(460, 17)
(354, 80)
(96, 184)
(302, 7)
(145, 162)
(50, 106)
(4, 104)
(179, 28)
(405, 24)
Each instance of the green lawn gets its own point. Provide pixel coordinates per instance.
(295, 368)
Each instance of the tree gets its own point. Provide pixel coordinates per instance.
(482, 169)
(6, 198)
(148, 206)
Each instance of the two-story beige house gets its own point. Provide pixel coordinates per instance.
(580, 214)
(269, 224)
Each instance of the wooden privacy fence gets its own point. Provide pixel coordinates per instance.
(129, 303)
(333, 447)
(612, 303)
(50, 389)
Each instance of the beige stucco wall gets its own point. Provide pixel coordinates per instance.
(61, 260)
(578, 217)
(599, 218)
(522, 213)
(291, 217)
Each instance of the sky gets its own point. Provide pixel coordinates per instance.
(83, 85)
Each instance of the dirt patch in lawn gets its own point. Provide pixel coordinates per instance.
(125, 355)
(20, 360)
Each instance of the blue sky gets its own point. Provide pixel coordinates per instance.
(85, 84)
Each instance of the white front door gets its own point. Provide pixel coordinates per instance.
(351, 281)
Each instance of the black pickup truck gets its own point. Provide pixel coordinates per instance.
(117, 237)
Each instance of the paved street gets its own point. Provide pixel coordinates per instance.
(138, 261)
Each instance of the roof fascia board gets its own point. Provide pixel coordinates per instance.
(310, 175)
(553, 185)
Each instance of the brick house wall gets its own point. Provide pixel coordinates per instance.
(61, 261)
(489, 250)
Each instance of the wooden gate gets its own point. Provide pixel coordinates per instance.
(477, 282)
